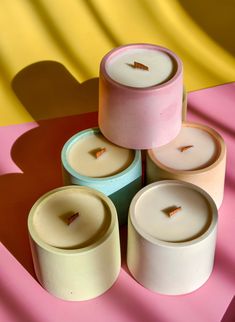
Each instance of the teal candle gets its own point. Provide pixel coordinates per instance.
(89, 159)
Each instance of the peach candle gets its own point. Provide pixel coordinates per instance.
(171, 237)
(196, 155)
(75, 229)
(140, 95)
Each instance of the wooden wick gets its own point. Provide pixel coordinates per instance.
(71, 218)
(174, 211)
(185, 148)
(100, 152)
(138, 66)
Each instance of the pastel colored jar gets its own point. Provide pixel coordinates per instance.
(140, 117)
(209, 176)
(80, 260)
(171, 254)
(120, 186)
(184, 105)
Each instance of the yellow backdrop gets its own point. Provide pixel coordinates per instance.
(66, 39)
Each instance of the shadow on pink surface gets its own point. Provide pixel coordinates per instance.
(212, 121)
(129, 301)
(37, 154)
(15, 306)
(229, 315)
(25, 302)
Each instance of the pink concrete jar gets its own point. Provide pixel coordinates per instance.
(140, 96)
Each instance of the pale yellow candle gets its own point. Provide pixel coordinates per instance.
(52, 214)
(74, 239)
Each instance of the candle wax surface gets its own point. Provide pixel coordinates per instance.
(202, 154)
(161, 67)
(81, 157)
(51, 215)
(151, 213)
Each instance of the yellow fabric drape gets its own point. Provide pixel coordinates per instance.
(77, 33)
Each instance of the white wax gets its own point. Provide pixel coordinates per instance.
(50, 219)
(202, 154)
(160, 64)
(81, 157)
(190, 222)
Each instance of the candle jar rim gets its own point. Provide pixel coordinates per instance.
(221, 151)
(177, 60)
(67, 251)
(170, 244)
(72, 171)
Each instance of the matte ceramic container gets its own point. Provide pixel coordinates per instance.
(210, 178)
(171, 268)
(120, 187)
(77, 274)
(140, 118)
(184, 105)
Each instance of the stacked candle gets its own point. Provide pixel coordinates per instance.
(74, 239)
(142, 104)
(89, 159)
(141, 93)
(196, 155)
(171, 223)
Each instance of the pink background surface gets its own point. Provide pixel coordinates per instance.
(30, 166)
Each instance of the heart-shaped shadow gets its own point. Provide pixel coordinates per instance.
(48, 90)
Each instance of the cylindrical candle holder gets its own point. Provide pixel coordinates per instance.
(118, 180)
(139, 111)
(171, 237)
(74, 239)
(184, 105)
(196, 155)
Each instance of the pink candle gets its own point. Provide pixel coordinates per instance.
(140, 99)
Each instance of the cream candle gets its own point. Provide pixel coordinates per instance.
(172, 226)
(75, 229)
(89, 159)
(159, 67)
(153, 213)
(196, 155)
(140, 80)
